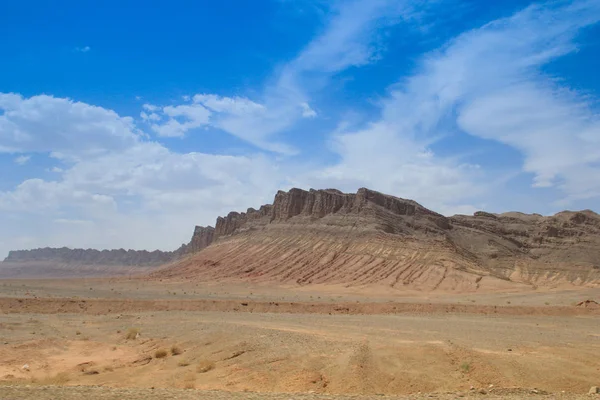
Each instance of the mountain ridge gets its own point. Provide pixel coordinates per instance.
(325, 227)
(330, 237)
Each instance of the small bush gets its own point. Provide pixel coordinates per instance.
(465, 367)
(175, 350)
(162, 353)
(189, 385)
(189, 381)
(183, 363)
(205, 366)
(132, 334)
(59, 379)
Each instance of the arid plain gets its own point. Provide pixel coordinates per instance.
(266, 339)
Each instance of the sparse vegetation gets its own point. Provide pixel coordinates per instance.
(465, 367)
(183, 363)
(160, 353)
(132, 334)
(205, 366)
(60, 378)
(176, 350)
(189, 381)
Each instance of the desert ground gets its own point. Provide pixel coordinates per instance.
(135, 338)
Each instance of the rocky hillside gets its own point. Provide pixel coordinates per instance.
(368, 238)
(330, 237)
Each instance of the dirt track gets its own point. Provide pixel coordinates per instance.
(108, 306)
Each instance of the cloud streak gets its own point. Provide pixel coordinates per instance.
(348, 40)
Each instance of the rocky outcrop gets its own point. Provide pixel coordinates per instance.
(301, 206)
(66, 255)
(202, 237)
(367, 237)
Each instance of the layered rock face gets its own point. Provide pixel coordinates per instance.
(202, 237)
(330, 237)
(301, 206)
(533, 246)
(369, 238)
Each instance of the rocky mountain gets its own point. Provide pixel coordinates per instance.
(64, 262)
(369, 238)
(91, 256)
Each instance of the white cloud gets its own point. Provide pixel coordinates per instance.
(490, 80)
(381, 157)
(238, 106)
(193, 116)
(348, 40)
(83, 49)
(137, 194)
(22, 160)
(65, 128)
(150, 107)
(307, 112)
(149, 117)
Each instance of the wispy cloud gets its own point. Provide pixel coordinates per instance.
(22, 160)
(490, 80)
(348, 40)
(488, 83)
(83, 49)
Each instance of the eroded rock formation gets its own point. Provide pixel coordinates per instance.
(367, 237)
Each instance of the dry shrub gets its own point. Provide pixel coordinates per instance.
(132, 334)
(62, 378)
(205, 366)
(175, 350)
(189, 381)
(183, 363)
(161, 353)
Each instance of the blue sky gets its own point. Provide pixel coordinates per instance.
(125, 124)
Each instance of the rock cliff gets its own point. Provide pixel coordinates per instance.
(301, 206)
(367, 237)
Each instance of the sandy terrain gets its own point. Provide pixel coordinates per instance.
(89, 392)
(260, 339)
